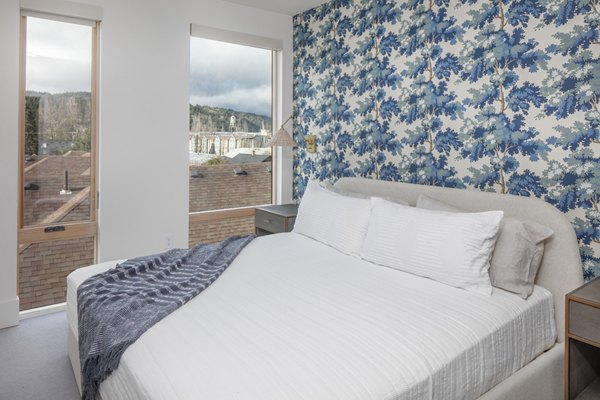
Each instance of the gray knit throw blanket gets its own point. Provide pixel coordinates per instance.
(116, 307)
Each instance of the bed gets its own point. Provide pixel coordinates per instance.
(293, 318)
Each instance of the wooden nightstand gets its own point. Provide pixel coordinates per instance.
(582, 343)
(275, 219)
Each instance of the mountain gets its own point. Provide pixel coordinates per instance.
(61, 121)
(63, 116)
(61, 113)
(215, 119)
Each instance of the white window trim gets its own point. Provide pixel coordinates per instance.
(245, 39)
(60, 10)
(86, 15)
(277, 153)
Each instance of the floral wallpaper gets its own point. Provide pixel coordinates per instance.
(494, 95)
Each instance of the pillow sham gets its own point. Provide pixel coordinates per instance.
(450, 248)
(518, 253)
(335, 220)
(332, 188)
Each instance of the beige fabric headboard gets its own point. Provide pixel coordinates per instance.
(561, 269)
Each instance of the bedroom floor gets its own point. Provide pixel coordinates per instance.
(33, 360)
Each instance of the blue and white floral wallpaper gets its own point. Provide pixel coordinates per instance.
(495, 95)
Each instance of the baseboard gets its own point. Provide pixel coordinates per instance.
(9, 313)
(38, 312)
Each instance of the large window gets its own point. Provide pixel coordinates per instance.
(231, 123)
(57, 217)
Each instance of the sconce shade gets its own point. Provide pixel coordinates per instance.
(282, 139)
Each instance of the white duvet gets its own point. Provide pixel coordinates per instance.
(294, 319)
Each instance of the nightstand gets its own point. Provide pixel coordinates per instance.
(582, 343)
(275, 219)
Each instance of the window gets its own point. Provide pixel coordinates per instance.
(57, 217)
(231, 123)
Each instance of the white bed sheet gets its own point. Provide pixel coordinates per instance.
(294, 319)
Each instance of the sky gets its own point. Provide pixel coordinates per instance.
(230, 76)
(59, 56)
(221, 74)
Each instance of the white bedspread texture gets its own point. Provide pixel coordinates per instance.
(294, 319)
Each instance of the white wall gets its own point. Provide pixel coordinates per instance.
(9, 91)
(144, 79)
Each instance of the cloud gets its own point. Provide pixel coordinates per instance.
(230, 76)
(59, 56)
(255, 100)
(221, 74)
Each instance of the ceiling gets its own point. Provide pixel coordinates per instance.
(289, 7)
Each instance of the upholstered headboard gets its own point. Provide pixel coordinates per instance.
(561, 269)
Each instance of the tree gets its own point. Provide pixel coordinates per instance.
(574, 90)
(575, 184)
(499, 133)
(372, 137)
(32, 124)
(215, 161)
(335, 58)
(577, 90)
(304, 94)
(83, 140)
(428, 100)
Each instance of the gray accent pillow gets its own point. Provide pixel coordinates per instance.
(518, 254)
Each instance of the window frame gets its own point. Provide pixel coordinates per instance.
(83, 229)
(276, 48)
(76, 229)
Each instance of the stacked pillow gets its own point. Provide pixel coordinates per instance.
(518, 252)
(328, 186)
(338, 221)
(434, 240)
(448, 247)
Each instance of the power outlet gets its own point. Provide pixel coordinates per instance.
(169, 242)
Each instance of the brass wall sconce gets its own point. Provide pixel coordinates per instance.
(311, 143)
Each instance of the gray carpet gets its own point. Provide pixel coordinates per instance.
(33, 360)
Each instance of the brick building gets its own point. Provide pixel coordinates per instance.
(217, 187)
(221, 143)
(43, 267)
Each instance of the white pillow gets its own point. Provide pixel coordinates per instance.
(333, 219)
(518, 253)
(331, 188)
(450, 248)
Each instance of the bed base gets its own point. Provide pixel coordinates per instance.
(73, 348)
(541, 379)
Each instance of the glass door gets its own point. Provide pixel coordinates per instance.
(58, 120)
